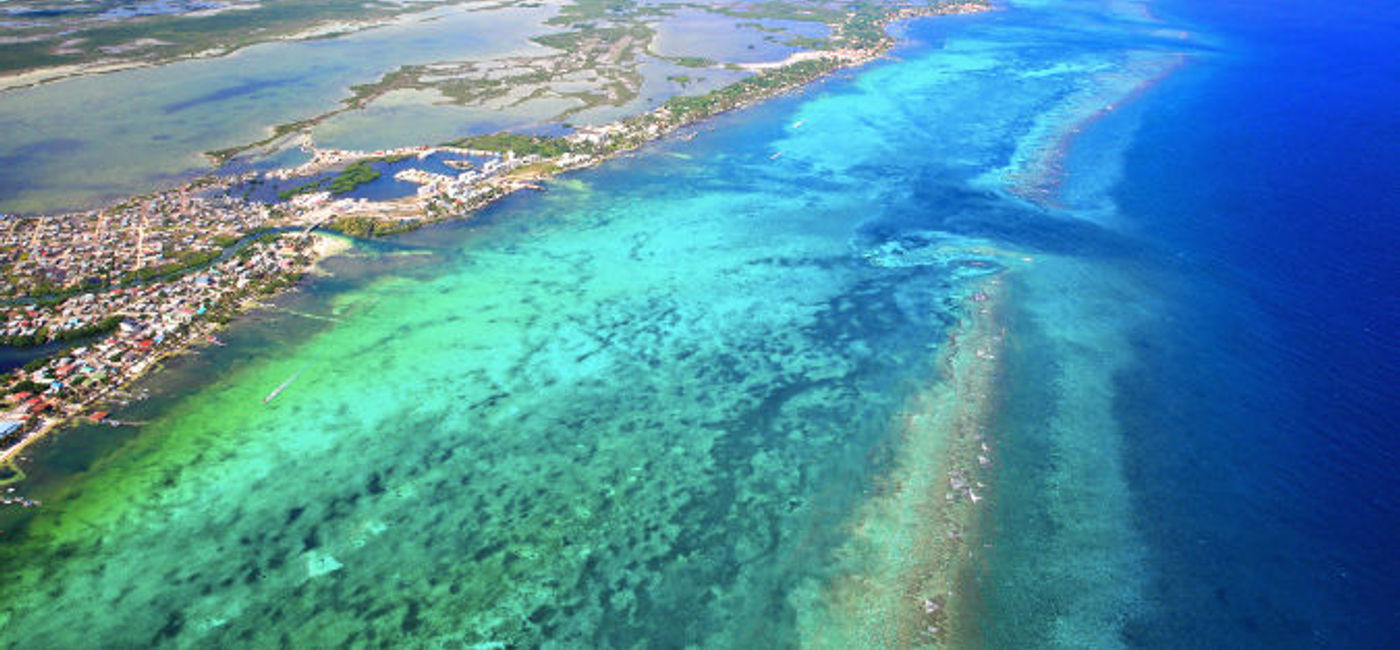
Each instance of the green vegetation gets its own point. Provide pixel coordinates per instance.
(692, 62)
(865, 28)
(177, 35)
(389, 160)
(386, 228)
(571, 41)
(313, 186)
(347, 180)
(474, 91)
(185, 261)
(700, 106)
(808, 43)
(517, 143)
(248, 250)
(39, 337)
(582, 11)
(362, 227)
(44, 335)
(760, 27)
(104, 326)
(46, 293)
(604, 37)
(778, 9)
(367, 227)
(28, 386)
(404, 77)
(352, 177)
(278, 283)
(225, 241)
(221, 156)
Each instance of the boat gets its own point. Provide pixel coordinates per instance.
(280, 387)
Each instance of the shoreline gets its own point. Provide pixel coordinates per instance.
(33, 78)
(623, 137)
(910, 543)
(799, 57)
(323, 247)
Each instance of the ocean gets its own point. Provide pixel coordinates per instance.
(1263, 403)
(1071, 325)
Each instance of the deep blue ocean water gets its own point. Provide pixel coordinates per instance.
(1263, 410)
(1195, 440)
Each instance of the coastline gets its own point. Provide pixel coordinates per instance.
(624, 136)
(900, 579)
(34, 78)
(322, 247)
(872, 395)
(829, 60)
(38, 77)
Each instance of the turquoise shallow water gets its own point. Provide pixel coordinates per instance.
(647, 407)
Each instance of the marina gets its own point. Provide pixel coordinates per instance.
(1051, 326)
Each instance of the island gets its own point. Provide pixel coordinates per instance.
(119, 288)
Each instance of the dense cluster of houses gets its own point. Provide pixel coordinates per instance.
(49, 254)
(153, 318)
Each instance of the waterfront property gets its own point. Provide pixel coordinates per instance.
(1001, 342)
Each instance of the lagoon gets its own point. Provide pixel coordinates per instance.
(680, 398)
(63, 138)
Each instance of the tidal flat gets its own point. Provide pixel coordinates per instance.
(424, 76)
(692, 396)
(1012, 340)
(64, 136)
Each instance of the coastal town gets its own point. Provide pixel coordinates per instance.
(117, 289)
(126, 330)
